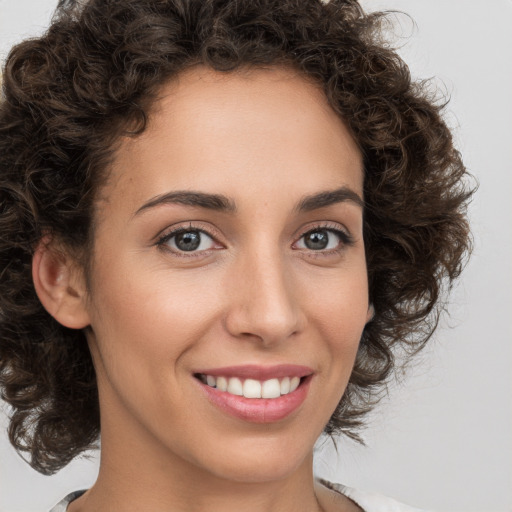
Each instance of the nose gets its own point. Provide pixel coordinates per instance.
(264, 303)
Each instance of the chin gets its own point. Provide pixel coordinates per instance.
(258, 471)
(260, 460)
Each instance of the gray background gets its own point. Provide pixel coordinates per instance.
(443, 440)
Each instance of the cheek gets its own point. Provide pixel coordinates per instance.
(338, 307)
(151, 317)
(144, 328)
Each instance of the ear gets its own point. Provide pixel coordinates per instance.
(60, 285)
(370, 314)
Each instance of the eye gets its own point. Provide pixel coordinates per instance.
(187, 240)
(324, 239)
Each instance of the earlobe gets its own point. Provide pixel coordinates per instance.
(60, 286)
(370, 314)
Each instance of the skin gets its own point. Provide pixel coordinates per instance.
(254, 293)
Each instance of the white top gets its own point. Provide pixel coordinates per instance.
(369, 502)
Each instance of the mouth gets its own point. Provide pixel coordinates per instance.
(252, 388)
(256, 394)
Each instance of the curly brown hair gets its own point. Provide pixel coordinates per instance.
(70, 94)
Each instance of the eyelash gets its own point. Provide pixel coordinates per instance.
(346, 240)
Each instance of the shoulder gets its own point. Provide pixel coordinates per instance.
(370, 502)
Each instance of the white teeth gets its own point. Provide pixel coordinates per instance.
(235, 386)
(222, 383)
(271, 389)
(285, 386)
(294, 383)
(251, 388)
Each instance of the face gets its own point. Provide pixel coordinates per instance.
(228, 259)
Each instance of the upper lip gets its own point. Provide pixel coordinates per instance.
(257, 372)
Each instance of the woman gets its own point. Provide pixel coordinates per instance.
(222, 221)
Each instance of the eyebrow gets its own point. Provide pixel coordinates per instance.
(327, 198)
(215, 202)
(221, 203)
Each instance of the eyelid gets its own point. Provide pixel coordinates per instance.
(167, 234)
(328, 225)
(346, 238)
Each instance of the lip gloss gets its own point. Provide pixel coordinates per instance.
(257, 410)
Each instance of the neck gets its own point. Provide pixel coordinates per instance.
(137, 485)
(144, 475)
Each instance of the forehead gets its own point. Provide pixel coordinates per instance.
(269, 129)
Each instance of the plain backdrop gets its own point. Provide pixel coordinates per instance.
(443, 439)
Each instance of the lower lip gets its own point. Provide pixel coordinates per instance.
(258, 410)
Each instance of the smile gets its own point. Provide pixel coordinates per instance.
(251, 388)
(256, 394)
